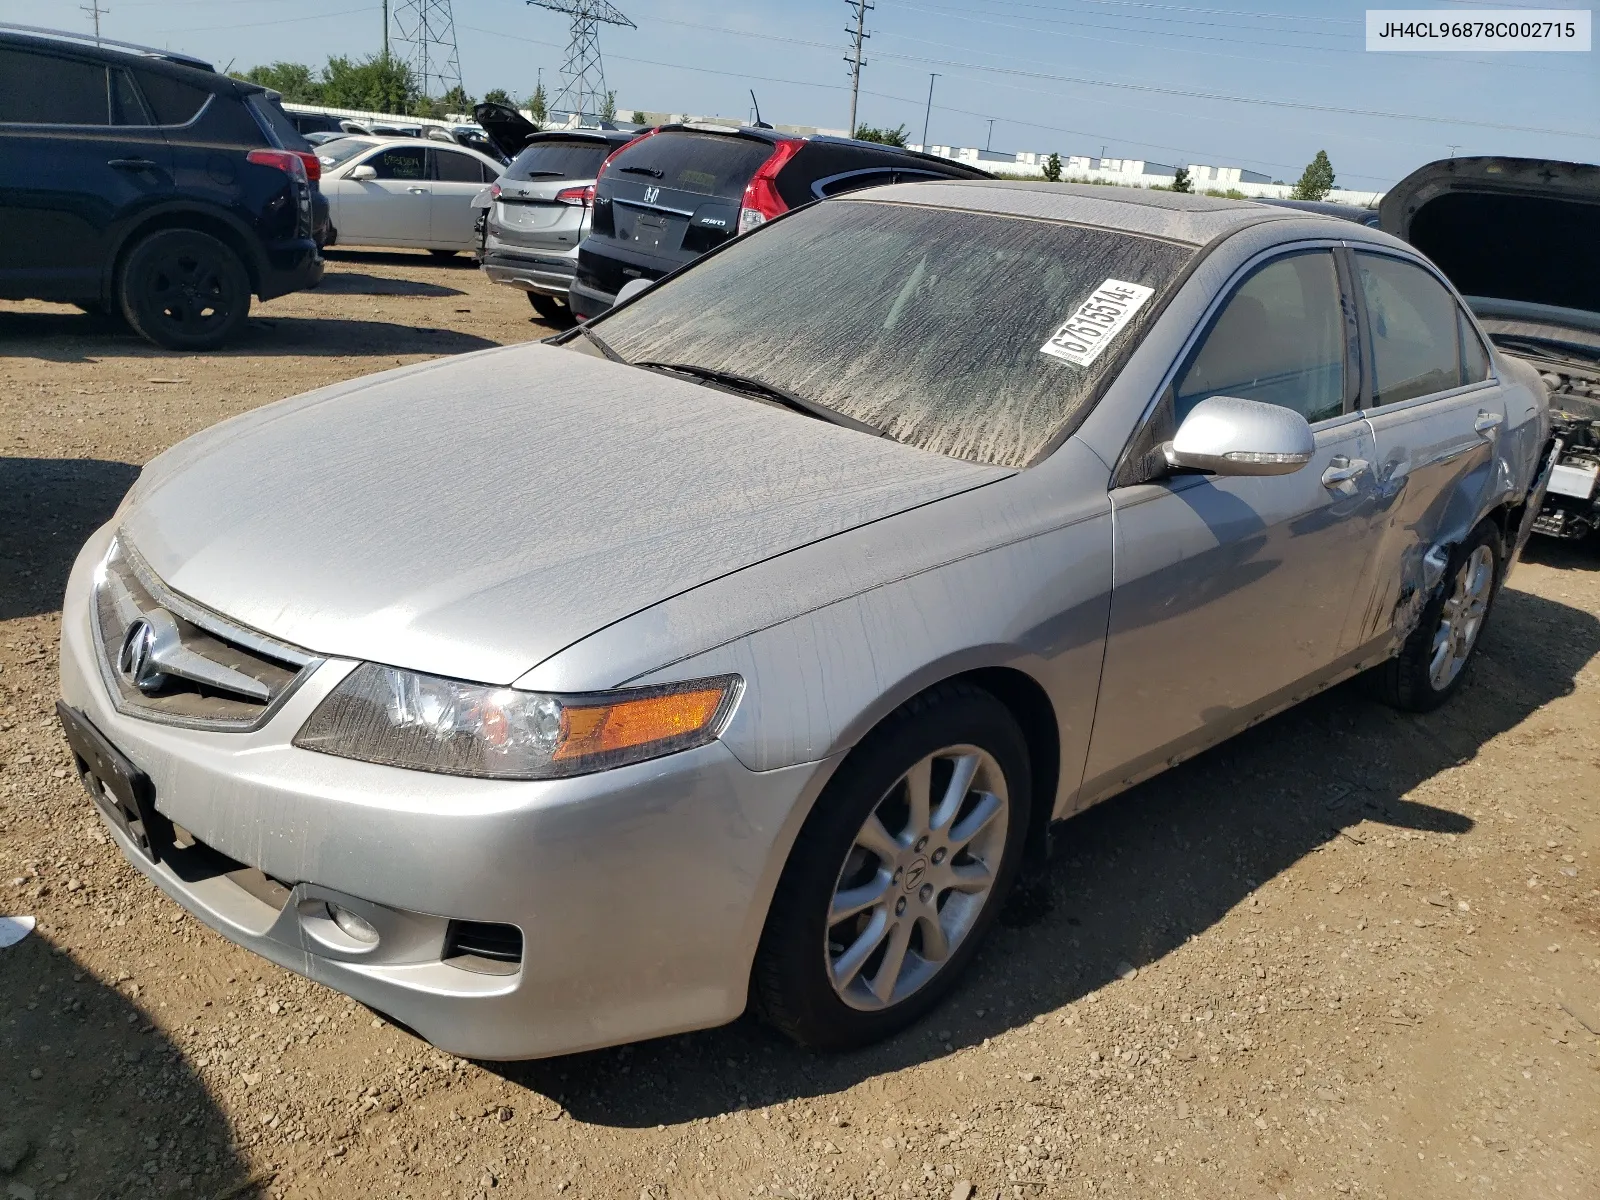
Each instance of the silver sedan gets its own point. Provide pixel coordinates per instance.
(743, 645)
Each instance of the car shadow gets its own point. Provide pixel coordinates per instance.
(96, 1094)
(1133, 879)
(400, 258)
(359, 283)
(65, 336)
(48, 509)
(1571, 556)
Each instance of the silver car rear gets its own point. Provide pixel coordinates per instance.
(541, 211)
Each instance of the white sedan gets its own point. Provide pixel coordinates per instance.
(404, 191)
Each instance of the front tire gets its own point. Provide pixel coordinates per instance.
(898, 872)
(1432, 665)
(184, 290)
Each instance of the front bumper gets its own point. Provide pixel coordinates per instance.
(640, 892)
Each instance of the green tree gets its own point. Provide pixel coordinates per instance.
(639, 117)
(455, 100)
(1052, 168)
(608, 110)
(538, 106)
(499, 96)
(1180, 180)
(884, 137)
(296, 81)
(378, 83)
(1317, 179)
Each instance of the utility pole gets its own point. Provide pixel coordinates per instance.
(932, 75)
(386, 29)
(94, 10)
(989, 145)
(1454, 148)
(858, 38)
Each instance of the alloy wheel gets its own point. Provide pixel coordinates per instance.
(921, 869)
(189, 292)
(1462, 618)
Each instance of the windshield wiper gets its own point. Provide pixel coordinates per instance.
(747, 386)
(1551, 350)
(650, 171)
(600, 343)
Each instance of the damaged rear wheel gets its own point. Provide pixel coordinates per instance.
(1433, 663)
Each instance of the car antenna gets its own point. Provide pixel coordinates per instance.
(756, 104)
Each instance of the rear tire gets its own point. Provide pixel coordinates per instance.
(184, 290)
(1435, 660)
(878, 912)
(550, 309)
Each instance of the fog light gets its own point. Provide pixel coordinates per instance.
(353, 926)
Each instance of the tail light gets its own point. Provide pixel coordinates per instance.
(313, 165)
(578, 197)
(287, 161)
(761, 199)
(494, 191)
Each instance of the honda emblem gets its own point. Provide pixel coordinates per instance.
(652, 194)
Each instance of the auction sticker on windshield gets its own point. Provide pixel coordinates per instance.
(1083, 335)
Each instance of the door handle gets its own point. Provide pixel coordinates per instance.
(131, 164)
(1487, 421)
(1342, 471)
(418, 191)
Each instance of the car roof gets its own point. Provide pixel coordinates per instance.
(61, 39)
(774, 136)
(1175, 216)
(384, 140)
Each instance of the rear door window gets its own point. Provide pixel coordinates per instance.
(173, 101)
(704, 164)
(400, 162)
(1279, 339)
(452, 167)
(1416, 332)
(283, 132)
(571, 159)
(43, 89)
(1474, 358)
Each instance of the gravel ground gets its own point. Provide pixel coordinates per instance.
(1350, 953)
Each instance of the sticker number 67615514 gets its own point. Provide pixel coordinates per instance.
(1083, 335)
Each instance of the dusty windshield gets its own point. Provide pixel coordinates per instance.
(928, 324)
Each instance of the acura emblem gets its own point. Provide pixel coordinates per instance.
(142, 646)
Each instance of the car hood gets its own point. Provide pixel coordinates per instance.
(1519, 237)
(473, 516)
(505, 127)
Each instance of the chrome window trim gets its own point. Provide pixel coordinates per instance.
(211, 622)
(1223, 294)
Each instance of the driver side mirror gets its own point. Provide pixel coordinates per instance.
(364, 172)
(1224, 435)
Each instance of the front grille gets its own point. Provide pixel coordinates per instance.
(168, 659)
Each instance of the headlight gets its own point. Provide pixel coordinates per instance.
(402, 719)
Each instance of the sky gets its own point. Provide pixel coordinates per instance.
(1262, 84)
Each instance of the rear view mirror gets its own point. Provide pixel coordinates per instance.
(364, 172)
(632, 288)
(1224, 435)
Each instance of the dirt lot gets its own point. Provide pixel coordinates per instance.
(1349, 954)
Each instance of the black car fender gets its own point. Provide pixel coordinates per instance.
(185, 214)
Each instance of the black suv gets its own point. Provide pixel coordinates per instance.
(145, 182)
(678, 191)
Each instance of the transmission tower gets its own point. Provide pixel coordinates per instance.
(425, 37)
(583, 74)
